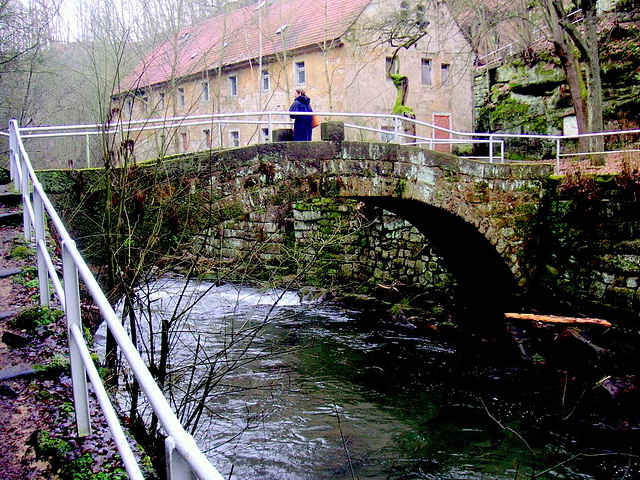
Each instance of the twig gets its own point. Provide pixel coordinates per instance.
(344, 443)
(533, 455)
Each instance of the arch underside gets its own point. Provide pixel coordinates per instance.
(481, 274)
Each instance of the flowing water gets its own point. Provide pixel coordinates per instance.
(333, 393)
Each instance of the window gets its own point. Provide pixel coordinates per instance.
(185, 141)
(144, 100)
(205, 92)
(266, 85)
(445, 78)
(264, 133)
(388, 137)
(300, 73)
(161, 101)
(425, 71)
(181, 97)
(206, 137)
(232, 86)
(128, 108)
(390, 68)
(421, 16)
(234, 138)
(404, 10)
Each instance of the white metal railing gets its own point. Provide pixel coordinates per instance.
(270, 120)
(184, 458)
(519, 45)
(354, 122)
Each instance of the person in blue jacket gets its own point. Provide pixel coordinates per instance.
(301, 123)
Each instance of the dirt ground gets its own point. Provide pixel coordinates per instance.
(23, 408)
(38, 404)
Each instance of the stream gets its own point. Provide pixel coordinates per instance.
(320, 391)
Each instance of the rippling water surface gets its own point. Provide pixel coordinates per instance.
(341, 394)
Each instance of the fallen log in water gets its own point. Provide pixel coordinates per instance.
(557, 319)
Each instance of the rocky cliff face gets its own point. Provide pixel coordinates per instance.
(529, 94)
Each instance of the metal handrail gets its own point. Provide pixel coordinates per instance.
(271, 119)
(184, 458)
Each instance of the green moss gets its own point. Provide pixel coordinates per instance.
(22, 252)
(32, 318)
(400, 188)
(51, 447)
(56, 366)
(57, 451)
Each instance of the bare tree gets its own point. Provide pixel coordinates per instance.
(577, 47)
(400, 30)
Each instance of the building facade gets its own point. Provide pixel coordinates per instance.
(253, 59)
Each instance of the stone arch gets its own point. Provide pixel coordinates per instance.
(483, 276)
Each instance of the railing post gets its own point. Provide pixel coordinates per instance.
(558, 154)
(177, 467)
(490, 148)
(88, 152)
(72, 311)
(24, 187)
(502, 151)
(43, 276)
(396, 121)
(269, 126)
(13, 146)
(220, 134)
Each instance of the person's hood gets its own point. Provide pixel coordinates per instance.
(304, 100)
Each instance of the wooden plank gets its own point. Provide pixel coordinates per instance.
(557, 319)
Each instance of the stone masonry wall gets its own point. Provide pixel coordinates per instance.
(587, 249)
(333, 242)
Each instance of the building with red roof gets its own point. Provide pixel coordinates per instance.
(252, 59)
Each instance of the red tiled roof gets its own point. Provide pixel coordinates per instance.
(235, 37)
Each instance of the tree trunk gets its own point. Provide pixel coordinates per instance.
(573, 72)
(594, 83)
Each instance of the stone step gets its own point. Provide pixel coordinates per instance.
(8, 272)
(10, 199)
(5, 176)
(13, 219)
(16, 371)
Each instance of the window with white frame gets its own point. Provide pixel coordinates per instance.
(391, 66)
(181, 97)
(205, 91)
(264, 134)
(161, 101)
(234, 138)
(445, 74)
(266, 81)
(184, 139)
(232, 86)
(425, 71)
(300, 73)
(144, 100)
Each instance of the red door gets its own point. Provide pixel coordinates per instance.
(443, 121)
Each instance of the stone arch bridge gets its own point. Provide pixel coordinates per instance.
(475, 213)
(500, 228)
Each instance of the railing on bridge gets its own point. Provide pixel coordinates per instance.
(184, 458)
(358, 126)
